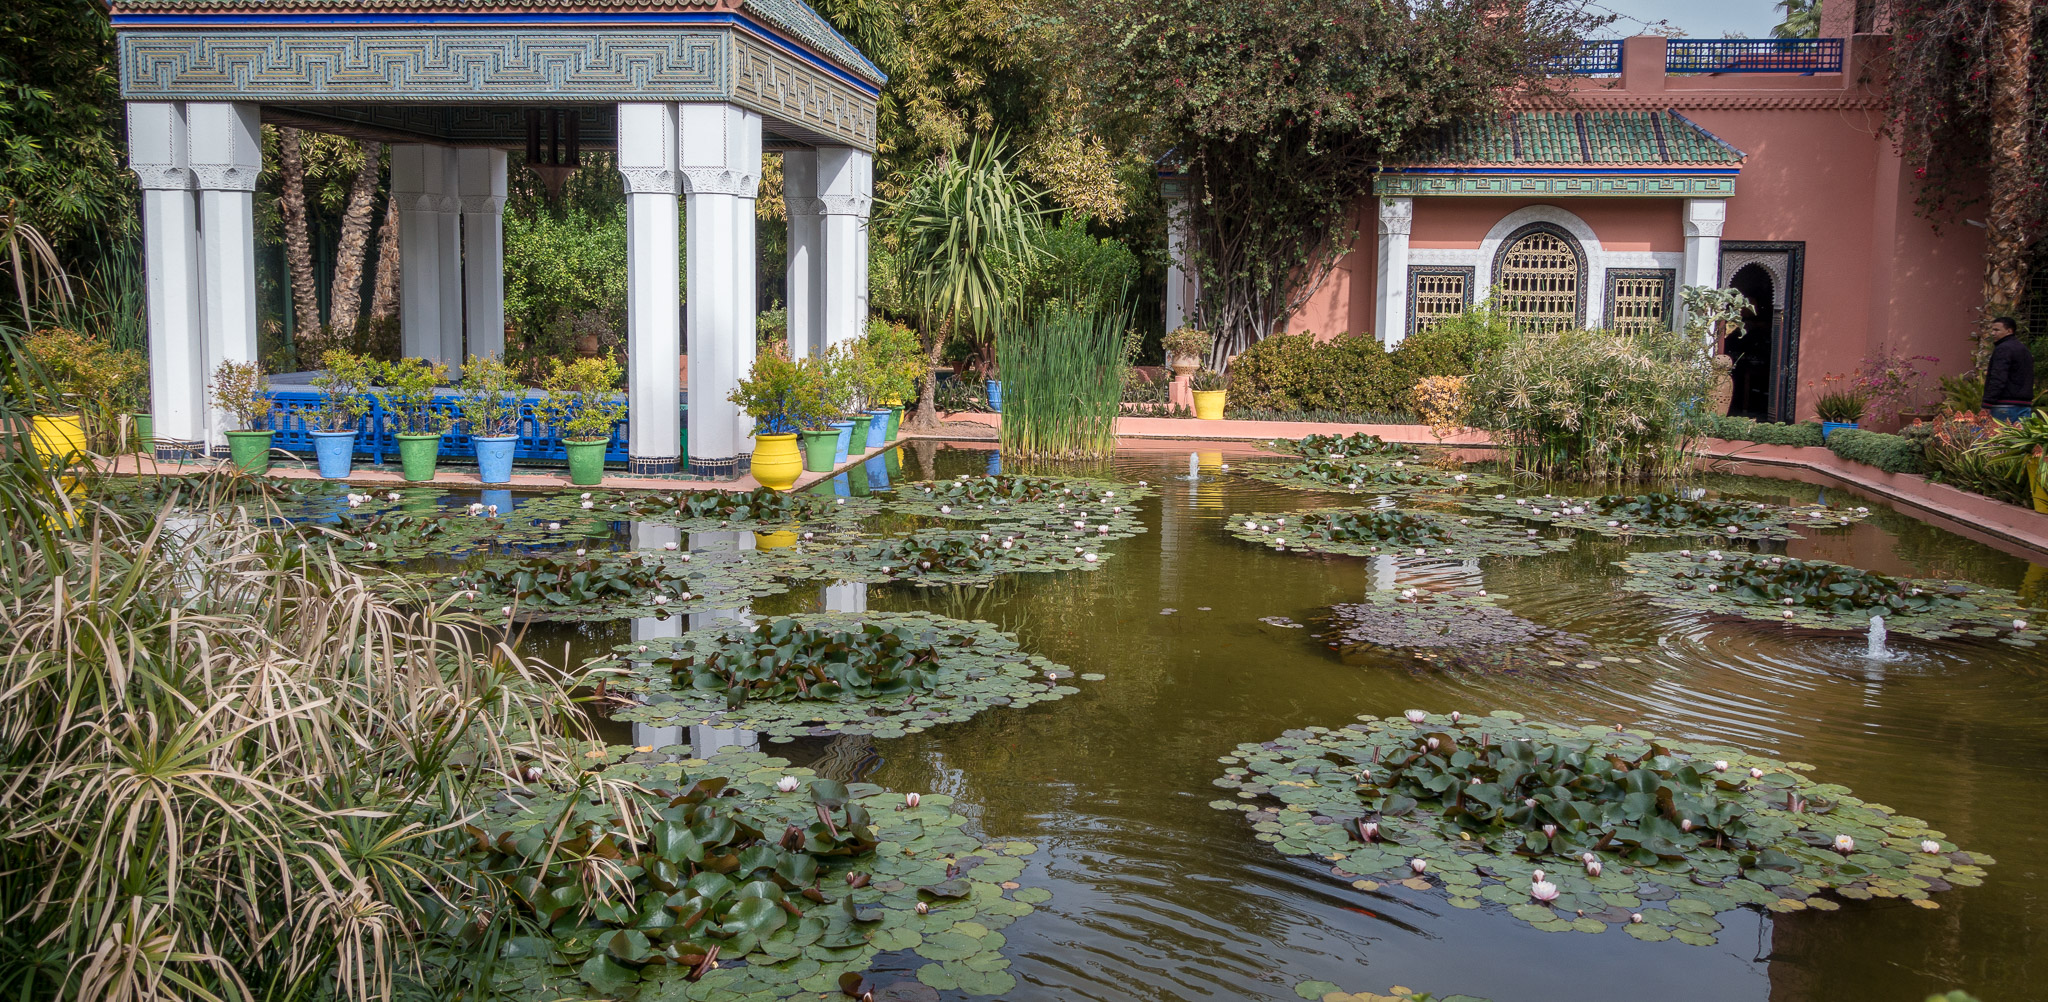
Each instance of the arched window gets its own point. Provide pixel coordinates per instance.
(1541, 272)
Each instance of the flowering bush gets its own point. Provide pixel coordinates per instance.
(1954, 455)
(1440, 403)
(1891, 383)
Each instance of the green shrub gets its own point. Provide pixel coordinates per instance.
(1742, 429)
(1890, 453)
(1350, 372)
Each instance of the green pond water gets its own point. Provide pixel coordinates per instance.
(1156, 895)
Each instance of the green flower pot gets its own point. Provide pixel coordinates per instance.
(820, 448)
(895, 422)
(860, 435)
(417, 454)
(250, 450)
(586, 462)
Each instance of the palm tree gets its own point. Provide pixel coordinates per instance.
(961, 227)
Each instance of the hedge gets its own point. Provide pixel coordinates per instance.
(1741, 429)
(1349, 373)
(1890, 453)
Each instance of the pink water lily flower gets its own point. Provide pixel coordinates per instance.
(1418, 864)
(1415, 716)
(910, 800)
(1543, 890)
(787, 784)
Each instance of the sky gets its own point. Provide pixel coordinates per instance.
(1698, 18)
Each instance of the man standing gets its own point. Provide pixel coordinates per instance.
(2009, 379)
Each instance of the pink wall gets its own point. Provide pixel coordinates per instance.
(1818, 171)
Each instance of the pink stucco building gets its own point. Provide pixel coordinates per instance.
(1758, 164)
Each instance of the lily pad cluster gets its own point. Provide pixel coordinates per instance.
(740, 878)
(1462, 628)
(1016, 498)
(1659, 515)
(1326, 991)
(1356, 446)
(705, 510)
(885, 674)
(1371, 476)
(435, 531)
(1368, 532)
(1822, 594)
(600, 585)
(1581, 828)
(935, 557)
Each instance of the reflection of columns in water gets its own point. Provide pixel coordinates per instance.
(654, 536)
(1386, 573)
(704, 739)
(846, 596)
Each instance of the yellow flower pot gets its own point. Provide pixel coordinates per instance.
(59, 438)
(774, 540)
(2040, 484)
(777, 461)
(1209, 404)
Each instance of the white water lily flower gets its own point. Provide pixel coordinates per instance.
(1720, 765)
(1420, 552)
(1713, 554)
(1102, 530)
(1788, 614)
(1756, 773)
(1543, 890)
(1415, 716)
(1418, 864)
(2019, 624)
(839, 501)
(1459, 477)
(686, 558)
(1930, 846)
(945, 509)
(1432, 744)
(1611, 523)
(581, 551)
(1587, 857)
(589, 504)
(1090, 557)
(1713, 587)
(505, 611)
(671, 546)
(1456, 716)
(810, 535)
(910, 800)
(1635, 918)
(923, 909)
(686, 596)
(1006, 544)
(1464, 521)
(787, 784)
(1549, 831)
(369, 546)
(1685, 824)
(1685, 553)
(1080, 525)
(394, 495)
(661, 600)
(1370, 829)
(1844, 844)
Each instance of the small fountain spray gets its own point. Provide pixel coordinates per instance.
(1194, 467)
(1876, 651)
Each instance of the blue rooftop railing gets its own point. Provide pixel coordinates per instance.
(376, 438)
(1753, 55)
(1596, 59)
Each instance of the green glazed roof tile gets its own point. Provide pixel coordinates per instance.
(1620, 138)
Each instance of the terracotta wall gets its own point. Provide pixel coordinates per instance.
(1818, 171)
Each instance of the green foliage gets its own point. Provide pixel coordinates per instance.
(1365, 532)
(1356, 446)
(890, 350)
(1188, 341)
(62, 167)
(785, 397)
(406, 391)
(1890, 453)
(1660, 514)
(489, 397)
(558, 266)
(960, 226)
(66, 370)
(1370, 476)
(590, 587)
(1086, 274)
(2023, 442)
(1844, 407)
(1351, 373)
(1594, 405)
(1062, 385)
(581, 405)
(1963, 392)
(1742, 429)
(240, 389)
(1580, 828)
(1710, 313)
(1456, 628)
(1208, 380)
(1802, 19)
(783, 660)
(345, 383)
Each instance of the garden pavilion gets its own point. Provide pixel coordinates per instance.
(688, 92)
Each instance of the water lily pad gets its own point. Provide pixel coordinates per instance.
(1461, 628)
(935, 557)
(1683, 827)
(1372, 476)
(1371, 532)
(1661, 515)
(1010, 497)
(594, 585)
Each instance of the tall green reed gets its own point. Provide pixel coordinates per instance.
(1062, 383)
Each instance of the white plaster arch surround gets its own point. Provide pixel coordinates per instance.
(1598, 258)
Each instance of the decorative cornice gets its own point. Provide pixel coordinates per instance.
(846, 205)
(162, 177)
(649, 180)
(799, 205)
(225, 177)
(719, 181)
(492, 205)
(1536, 183)
(1397, 216)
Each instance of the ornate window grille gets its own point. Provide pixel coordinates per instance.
(1541, 276)
(1639, 300)
(1437, 293)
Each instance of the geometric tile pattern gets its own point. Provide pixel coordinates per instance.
(1535, 182)
(1660, 154)
(795, 92)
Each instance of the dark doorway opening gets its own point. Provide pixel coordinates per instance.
(1754, 348)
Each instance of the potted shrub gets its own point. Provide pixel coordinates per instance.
(826, 378)
(82, 389)
(488, 400)
(407, 392)
(240, 389)
(2025, 442)
(1839, 409)
(1185, 349)
(581, 408)
(899, 365)
(1209, 387)
(344, 385)
(782, 399)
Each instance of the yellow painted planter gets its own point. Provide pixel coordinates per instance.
(1209, 404)
(2040, 485)
(774, 540)
(777, 461)
(59, 438)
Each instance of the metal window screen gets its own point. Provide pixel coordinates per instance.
(1438, 296)
(1540, 280)
(1638, 305)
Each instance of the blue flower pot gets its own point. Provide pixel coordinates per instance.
(995, 395)
(878, 427)
(995, 464)
(336, 451)
(501, 499)
(1826, 427)
(878, 472)
(494, 458)
(845, 430)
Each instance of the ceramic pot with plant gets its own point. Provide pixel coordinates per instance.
(2024, 443)
(86, 388)
(783, 398)
(582, 407)
(488, 401)
(898, 366)
(345, 382)
(1839, 409)
(407, 393)
(240, 390)
(1185, 349)
(1209, 388)
(827, 379)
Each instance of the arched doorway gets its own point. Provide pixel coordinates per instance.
(1754, 348)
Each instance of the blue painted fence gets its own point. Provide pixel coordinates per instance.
(376, 438)
(1753, 55)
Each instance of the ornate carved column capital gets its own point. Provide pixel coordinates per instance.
(225, 177)
(846, 205)
(1397, 216)
(162, 177)
(649, 180)
(720, 181)
(804, 206)
(489, 204)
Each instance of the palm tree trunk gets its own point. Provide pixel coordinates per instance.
(2005, 251)
(384, 292)
(298, 240)
(927, 416)
(346, 300)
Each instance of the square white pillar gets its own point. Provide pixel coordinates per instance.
(719, 164)
(1390, 312)
(1704, 218)
(1180, 300)
(843, 190)
(865, 187)
(225, 148)
(806, 252)
(157, 153)
(448, 217)
(654, 340)
(483, 249)
(416, 183)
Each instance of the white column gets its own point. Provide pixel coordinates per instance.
(226, 153)
(864, 187)
(719, 164)
(416, 188)
(843, 189)
(806, 252)
(1703, 220)
(448, 217)
(654, 338)
(1180, 271)
(1390, 313)
(483, 249)
(157, 152)
(846, 596)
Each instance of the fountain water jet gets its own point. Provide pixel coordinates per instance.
(1876, 650)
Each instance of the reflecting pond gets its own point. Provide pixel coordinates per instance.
(1158, 896)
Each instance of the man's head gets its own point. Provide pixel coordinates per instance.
(2004, 327)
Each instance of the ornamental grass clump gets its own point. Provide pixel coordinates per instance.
(1062, 384)
(1594, 405)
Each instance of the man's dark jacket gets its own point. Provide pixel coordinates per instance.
(2010, 377)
